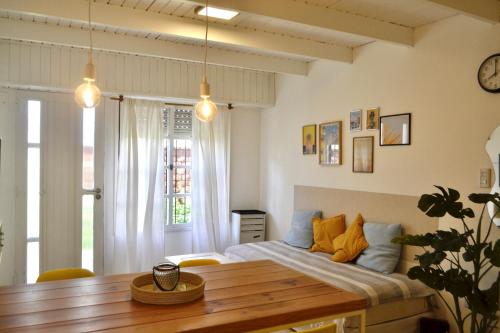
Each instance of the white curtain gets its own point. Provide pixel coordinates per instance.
(210, 211)
(138, 229)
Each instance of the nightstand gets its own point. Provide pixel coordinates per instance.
(248, 226)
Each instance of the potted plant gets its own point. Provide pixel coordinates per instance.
(457, 262)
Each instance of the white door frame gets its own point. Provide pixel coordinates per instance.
(47, 99)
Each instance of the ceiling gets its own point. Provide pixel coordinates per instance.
(287, 30)
(408, 13)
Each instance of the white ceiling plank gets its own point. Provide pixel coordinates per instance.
(184, 27)
(486, 10)
(38, 32)
(316, 16)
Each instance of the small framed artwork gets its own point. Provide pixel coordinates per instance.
(330, 143)
(355, 118)
(309, 139)
(395, 130)
(362, 154)
(372, 118)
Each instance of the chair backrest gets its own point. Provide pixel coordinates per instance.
(64, 274)
(330, 328)
(198, 262)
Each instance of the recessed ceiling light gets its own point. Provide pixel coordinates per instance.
(222, 14)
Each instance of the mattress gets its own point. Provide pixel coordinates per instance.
(376, 287)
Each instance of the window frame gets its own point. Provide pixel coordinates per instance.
(169, 139)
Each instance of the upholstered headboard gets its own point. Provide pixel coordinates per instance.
(375, 207)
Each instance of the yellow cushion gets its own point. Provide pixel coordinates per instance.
(198, 262)
(325, 231)
(351, 243)
(64, 274)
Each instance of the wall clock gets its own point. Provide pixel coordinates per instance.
(489, 74)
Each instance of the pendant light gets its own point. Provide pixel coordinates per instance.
(205, 109)
(88, 95)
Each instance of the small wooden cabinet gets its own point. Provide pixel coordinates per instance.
(248, 226)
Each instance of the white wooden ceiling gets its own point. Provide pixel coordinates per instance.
(284, 32)
(408, 13)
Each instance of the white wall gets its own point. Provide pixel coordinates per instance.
(42, 66)
(435, 81)
(244, 169)
(245, 158)
(7, 185)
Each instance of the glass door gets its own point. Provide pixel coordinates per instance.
(91, 196)
(60, 176)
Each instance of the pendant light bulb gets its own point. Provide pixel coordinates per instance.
(88, 95)
(205, 110)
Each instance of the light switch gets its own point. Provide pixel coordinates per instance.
(485, 178)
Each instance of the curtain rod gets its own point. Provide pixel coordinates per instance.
(120, 98)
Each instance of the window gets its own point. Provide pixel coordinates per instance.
(33, 192)
(88, 152)
(177, 161)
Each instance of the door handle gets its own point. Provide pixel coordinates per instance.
(96, 192)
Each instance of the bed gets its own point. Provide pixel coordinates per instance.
(390, 297)
(395, 302)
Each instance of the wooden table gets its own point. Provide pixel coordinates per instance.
(250, 296)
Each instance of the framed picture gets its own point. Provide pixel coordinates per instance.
(395, 130)
(309, 139)
(372, 118)
(362, 154)
(355, 118)
(330, 143)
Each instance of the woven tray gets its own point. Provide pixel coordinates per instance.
(189, 288)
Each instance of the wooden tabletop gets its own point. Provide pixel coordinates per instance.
(238, 297)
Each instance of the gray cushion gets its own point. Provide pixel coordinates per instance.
(301, 229)
(381, 255)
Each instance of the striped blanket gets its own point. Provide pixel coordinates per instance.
(377, 288)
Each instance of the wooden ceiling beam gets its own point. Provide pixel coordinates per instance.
(51, 34)
(485, 10)
(142, 21)
(320, 17)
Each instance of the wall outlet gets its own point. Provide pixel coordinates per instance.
(485, 178)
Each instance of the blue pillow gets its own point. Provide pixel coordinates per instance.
(381, 255)
(301, 230)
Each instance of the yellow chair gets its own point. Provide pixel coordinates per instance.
(64, 274)
(330, 328)
(198, 262)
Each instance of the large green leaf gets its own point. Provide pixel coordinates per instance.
(430, 258)
(454, 195)
(450, 240)
(493, 253)
(458, 282)
(438, 204)
(473, 251)
(482, 198)
(414, 240)
(431, 277)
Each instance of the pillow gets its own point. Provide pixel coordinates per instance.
(325, 231)
(301, 230)
(381, 255)
(351, 243)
